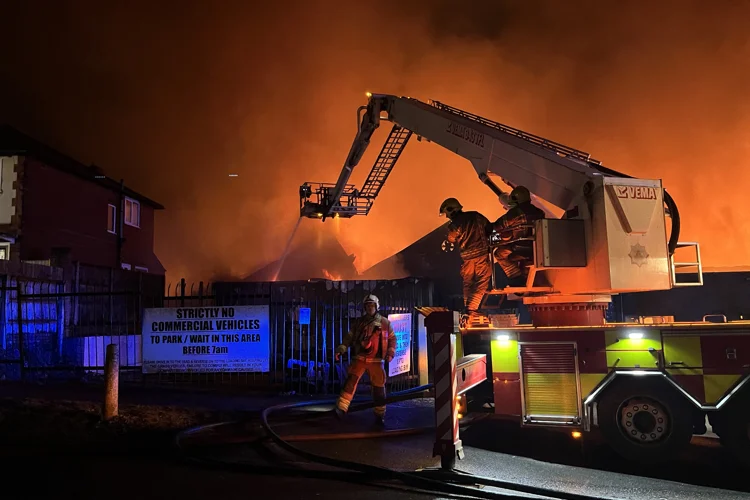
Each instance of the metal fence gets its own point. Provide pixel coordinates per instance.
(63, 328)
(302, 356)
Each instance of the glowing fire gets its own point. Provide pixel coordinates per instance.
(330, 276)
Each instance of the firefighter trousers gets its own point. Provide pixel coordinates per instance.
(510, 268)
(376, 371)
(476, 274)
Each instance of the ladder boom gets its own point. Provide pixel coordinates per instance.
(552, 171)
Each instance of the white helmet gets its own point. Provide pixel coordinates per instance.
(372, 298)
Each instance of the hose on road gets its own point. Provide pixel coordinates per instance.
(424, 479)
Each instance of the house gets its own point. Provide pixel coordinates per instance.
(55, 210)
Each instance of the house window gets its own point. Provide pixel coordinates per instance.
(111, 218)
(132, 213)
(5, 252)
(125, 266)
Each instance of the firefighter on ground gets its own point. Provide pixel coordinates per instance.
(372, 341)
(521, 213)
(468, 231)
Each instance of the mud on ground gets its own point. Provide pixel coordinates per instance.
(78, 424)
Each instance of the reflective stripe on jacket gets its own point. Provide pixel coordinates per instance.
(371, 338)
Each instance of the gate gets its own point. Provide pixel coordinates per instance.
(302, 355)
(31, 327)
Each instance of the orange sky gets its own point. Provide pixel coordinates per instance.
(175, 103)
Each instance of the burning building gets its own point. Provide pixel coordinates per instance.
(315, 254)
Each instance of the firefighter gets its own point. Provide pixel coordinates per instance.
(372, 340)
(521, 212)
(468, 231)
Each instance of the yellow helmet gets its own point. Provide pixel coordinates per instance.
(450, 206)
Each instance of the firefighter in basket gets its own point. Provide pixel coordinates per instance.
(372, 341)
(468, 231)
(514, 224)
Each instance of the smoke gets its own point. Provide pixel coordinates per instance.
(174, 103)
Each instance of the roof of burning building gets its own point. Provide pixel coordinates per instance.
(425, 259)
(315, 254)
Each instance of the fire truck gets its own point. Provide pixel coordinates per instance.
(645, 387)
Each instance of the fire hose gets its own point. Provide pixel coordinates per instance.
(427, 481)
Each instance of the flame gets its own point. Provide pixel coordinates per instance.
(330, 276)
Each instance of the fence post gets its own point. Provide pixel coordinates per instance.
(139, 307)
(21, 336)
(111, 382)
(422, 361)
(182, 292)
(77, 290)
(111, 298)
(60, 308)
(3, 318)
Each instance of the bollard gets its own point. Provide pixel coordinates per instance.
(442, 325)
(111, 382)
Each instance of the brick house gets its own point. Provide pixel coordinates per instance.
(55, 211)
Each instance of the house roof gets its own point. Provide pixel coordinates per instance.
(14, 142)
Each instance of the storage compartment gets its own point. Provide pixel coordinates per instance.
(560, 243)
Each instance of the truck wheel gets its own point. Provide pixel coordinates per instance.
(645, 424)
(735, 433)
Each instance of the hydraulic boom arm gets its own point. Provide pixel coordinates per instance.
(616, 230)
(552, 171)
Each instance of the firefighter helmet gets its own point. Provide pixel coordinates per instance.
(520, 194)
(371, 299)
(450, 206)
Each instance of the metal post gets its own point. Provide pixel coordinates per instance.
(21, 336)
(60, 324)
(423, 363)
(3, 318)
(111, 299)
(76, 290)
(441, 326)
(111, 382)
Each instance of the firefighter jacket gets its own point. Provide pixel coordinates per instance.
(371, 338)
(525, 213)
(467, 230)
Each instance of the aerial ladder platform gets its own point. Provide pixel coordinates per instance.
(611, 239)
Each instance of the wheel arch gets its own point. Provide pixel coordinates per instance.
(617, 378)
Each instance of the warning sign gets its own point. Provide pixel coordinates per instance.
(401, 362)
(206, 339)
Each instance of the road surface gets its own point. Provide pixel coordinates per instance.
(151, 470)
(554, 461)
